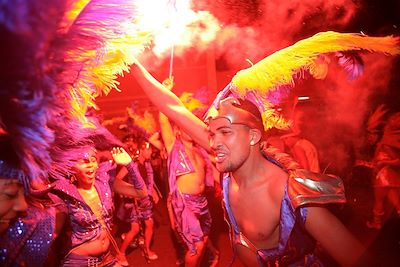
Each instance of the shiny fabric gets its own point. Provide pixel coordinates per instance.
(305, 187)
(295, 247)
(192, 218)
(74, 260)
(85, 225)
(179, 164)
(28, 240)
(135, 177)
(135, 210)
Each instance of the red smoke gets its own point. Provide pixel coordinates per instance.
(236, 30)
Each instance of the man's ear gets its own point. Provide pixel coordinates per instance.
(255, 136)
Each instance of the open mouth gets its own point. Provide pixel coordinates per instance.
(90, 174)
(220, 157)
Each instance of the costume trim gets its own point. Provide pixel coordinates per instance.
(305, 187)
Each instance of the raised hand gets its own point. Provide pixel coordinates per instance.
(120, 156)
(169, 83)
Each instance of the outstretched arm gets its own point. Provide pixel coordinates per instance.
(169, 104)
(334, 236)
(167, 132)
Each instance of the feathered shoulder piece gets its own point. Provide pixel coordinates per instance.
(270, 80)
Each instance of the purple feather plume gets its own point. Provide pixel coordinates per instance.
(352, 63)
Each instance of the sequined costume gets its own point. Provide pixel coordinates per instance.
(192, 217)
(28, 240)
(86, 226)
(136, 210)
(104, 260)
(295, 246)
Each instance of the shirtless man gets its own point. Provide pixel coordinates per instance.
(276, 225)
(189, 171)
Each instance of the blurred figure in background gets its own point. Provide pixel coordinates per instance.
(138, 211)
(301, 149)
(386, 163)
(190, 171)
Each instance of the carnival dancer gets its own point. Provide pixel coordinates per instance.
(275, 212)
(88, 200)
(386, 165)
(138, 211)
(301, 149)
(189, 172)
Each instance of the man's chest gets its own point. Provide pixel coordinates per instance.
(257, 217)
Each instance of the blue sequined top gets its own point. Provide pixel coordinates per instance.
(28, 240)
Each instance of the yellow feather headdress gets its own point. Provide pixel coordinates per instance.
(146, 123)
(271, 79)
(100, 42)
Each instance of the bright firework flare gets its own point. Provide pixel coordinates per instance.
(175, 23)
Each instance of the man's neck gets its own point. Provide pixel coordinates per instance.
(252, 170)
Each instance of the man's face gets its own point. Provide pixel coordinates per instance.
(85, 169)
(229, 144)
(12, 202)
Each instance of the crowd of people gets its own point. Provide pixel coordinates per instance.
(65, 178)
